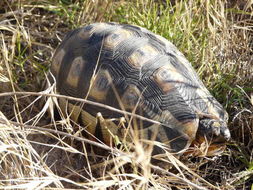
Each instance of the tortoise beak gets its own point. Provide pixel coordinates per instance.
(226, 134)
(223, 138)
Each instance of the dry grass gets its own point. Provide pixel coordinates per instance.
(38, 152)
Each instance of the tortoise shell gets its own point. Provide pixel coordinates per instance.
(133, 69)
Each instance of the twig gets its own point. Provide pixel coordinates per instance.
(80, 100)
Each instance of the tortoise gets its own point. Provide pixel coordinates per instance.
(130, 68)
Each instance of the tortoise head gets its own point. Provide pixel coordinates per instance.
(214, 134)
(214, 130)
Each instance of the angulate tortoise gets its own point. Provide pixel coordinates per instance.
(131, 68)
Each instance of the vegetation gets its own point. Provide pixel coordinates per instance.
(215, 35)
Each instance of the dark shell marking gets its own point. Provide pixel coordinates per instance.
(131, 68)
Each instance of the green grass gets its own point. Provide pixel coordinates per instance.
(215, 37)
